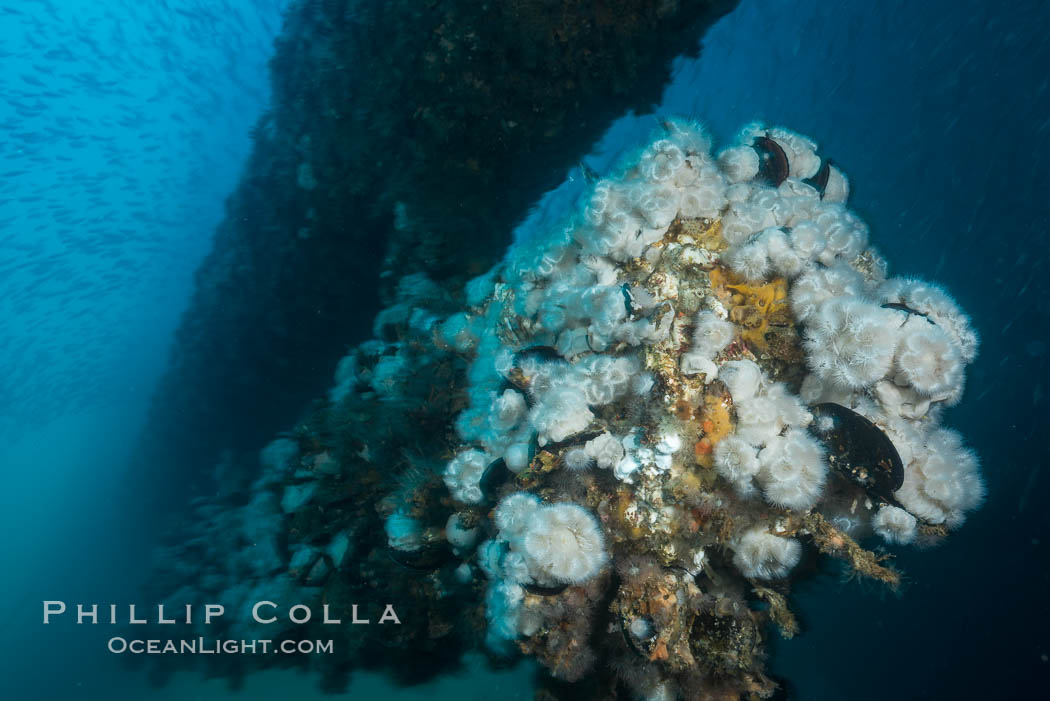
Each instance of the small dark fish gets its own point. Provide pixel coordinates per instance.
(903, 308)
(858, 450)
(773, 166)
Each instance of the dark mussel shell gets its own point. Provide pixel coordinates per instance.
(497, 474)
(819, 182)
(858, 450)
(636, 645)
(545, 353)
(427, 559)
(540, 590)
(773, 166)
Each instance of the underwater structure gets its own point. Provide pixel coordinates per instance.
(617, 449)
(403, 136)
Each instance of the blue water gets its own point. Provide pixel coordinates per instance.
(123, 127)
(125, 124)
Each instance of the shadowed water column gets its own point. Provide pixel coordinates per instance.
(403, 136)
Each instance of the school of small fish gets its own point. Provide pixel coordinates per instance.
(124, 125)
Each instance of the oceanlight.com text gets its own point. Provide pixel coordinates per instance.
(204, 646)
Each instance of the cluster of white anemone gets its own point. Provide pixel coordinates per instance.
(770, 446)
(710, 335)
(542, 544)
(893, 350)
(759, 554)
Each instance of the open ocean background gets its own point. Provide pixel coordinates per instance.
(124, 124)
